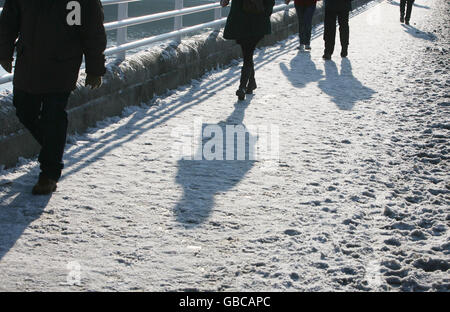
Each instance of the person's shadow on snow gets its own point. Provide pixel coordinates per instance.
(203, 179)
(416, 33)
(302, 70)
(18, 209)
(343, 88)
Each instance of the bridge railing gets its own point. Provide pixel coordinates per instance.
(124, 21)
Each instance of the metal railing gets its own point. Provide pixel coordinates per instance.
(124, 21)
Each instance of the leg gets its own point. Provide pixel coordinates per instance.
(344, 31)
(409, 6)
(308, 23)
(54, 132)
(402, 10)
(299, 10)
(329, 34)
(248, 71)
(28, 110)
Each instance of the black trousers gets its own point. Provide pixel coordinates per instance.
(305, 15)
(248, 46)
(329, 34)
(409, 5)
(44, 115)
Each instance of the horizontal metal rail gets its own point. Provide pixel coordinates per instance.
(159, 16)
(177, 33)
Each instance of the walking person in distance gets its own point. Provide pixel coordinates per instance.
(408, 4)
(340, 10)
(247, 23)
(305, 11)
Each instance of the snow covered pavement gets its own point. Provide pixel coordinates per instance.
(358, 200)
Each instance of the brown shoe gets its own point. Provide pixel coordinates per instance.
(45, 186)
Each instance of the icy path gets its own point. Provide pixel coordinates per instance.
(358, 201)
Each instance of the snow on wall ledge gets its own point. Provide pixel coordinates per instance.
(138, 79)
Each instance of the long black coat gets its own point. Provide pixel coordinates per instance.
(241, 25)
(338, 5)
(49, 51)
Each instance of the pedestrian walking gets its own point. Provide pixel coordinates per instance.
(305, 11)
(52, 37)
(408, 4)
(340, 10)
(248, 22)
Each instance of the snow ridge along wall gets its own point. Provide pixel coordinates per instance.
(138, 79)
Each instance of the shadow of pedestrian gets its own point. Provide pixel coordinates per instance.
(203, 179)
(302, 70)
(343, 88)
(421, 6)
(415, 4)
(18, 209)
(416, 33)
(393, 2)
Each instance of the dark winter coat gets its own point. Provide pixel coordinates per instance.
(305, 2)
(338, 5)
(241, 25)
(49, 51)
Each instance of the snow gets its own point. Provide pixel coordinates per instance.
(358, 199)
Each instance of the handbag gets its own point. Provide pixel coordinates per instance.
(253, 7)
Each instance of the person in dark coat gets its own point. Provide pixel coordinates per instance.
(340, 10)
(305, 11)
(248, 27)
(409, 4)
(52, 37)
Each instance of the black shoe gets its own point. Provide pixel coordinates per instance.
(307, 47)
(44, 186)
(326, 56)
(251, 86)
(406, 22)
(241, 94)
(344, 52)
(402, 20)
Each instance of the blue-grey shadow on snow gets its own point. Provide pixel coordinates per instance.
(343, 88)
(18, 209)
(302, 70)
(416, 33)
(203, 179)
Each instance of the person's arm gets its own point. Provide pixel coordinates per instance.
(9, 31)
(93, 41)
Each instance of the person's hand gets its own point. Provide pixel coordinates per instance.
(7, 65)
(93, 81)
(224, 3)
(287, 1)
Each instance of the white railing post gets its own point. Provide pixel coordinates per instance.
(178, 19)
(217, 16)
(122, 14)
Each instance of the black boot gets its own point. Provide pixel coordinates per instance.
(245, 75)
(344, 51)
(251, 86)
(44, 186)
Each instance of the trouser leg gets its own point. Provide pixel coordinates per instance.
(248, 47)
(329, 33)
(54, 132)
(344, 29)
(300, 9)
(402, 8)
(28, 111)
(409, 6)
(308, 16)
